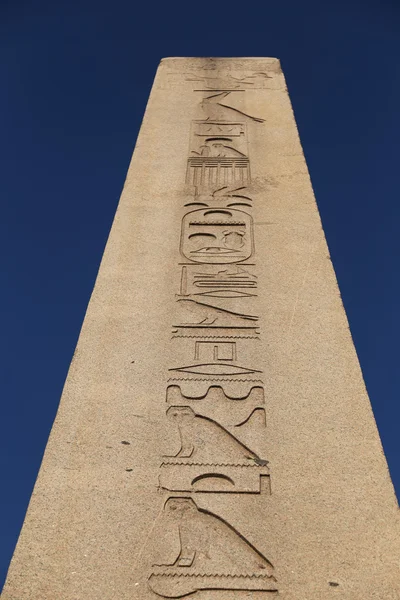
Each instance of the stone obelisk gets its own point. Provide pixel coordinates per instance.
(214, 438)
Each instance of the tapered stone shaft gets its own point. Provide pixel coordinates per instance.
(214, 437)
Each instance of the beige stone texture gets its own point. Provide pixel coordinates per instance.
(214, 436)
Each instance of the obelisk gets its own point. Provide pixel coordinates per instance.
(214, 438)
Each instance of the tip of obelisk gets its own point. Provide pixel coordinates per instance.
(221, 58)
(256, 63)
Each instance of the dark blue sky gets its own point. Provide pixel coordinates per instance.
(75, 77)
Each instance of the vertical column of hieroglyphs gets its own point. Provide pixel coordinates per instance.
(215, 396)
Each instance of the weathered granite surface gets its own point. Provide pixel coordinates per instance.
(214, 436)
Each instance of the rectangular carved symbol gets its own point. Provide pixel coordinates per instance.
(217, 236)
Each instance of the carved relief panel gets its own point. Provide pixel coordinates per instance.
(216, 438)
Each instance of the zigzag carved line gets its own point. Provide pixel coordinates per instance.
(222, 575)
(216, 379)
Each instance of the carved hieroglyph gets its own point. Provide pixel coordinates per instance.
(214, 439)
(211, 555)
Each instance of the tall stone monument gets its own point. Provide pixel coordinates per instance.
(214, 438)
